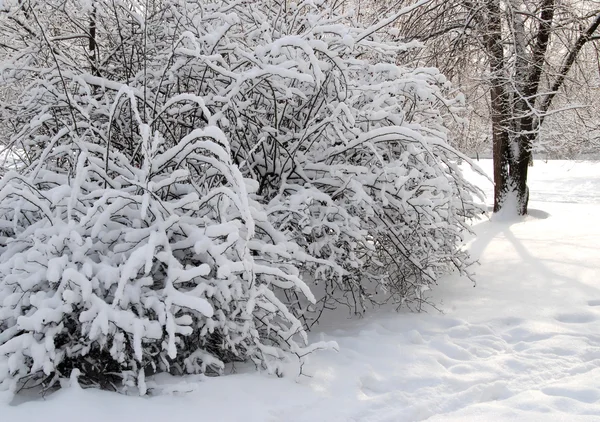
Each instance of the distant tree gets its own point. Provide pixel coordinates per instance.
(529, 48)
(518, 39)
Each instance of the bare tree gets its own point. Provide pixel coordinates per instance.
(527, 49)
(520, 102)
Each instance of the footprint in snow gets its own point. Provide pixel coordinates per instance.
(372, 385)
(415, 337)
(576, 317)
(511, 321)
(451, 350)
(595, 302)
(586, 395)
(496, 391)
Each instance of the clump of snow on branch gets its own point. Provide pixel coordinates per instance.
(184, 189)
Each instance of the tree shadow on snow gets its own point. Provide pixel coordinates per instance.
(487, 231)
(496, 224)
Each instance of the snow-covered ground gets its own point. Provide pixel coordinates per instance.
(522, 345)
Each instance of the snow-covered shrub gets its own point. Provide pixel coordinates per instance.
(131, 243)
(117, 269)
(191, 168)
(122, 270)
(348, 147)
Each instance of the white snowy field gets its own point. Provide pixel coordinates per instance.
(524, 344)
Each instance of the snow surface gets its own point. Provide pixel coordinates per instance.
(522, 345)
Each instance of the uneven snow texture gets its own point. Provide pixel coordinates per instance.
(522, 345)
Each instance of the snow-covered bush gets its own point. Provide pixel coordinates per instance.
(348, 148)
(121, 270)
(192, 169)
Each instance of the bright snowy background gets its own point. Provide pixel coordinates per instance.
(522, 345)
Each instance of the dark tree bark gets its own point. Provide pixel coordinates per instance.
(520, 40)
(514, 110)
(499, 103)
(92, 44)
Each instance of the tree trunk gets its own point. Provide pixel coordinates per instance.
(501, 153)
(499, 105)
(92, 44)
(519, 170)
(516, 127)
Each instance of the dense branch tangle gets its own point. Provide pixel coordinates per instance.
(192, 169)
